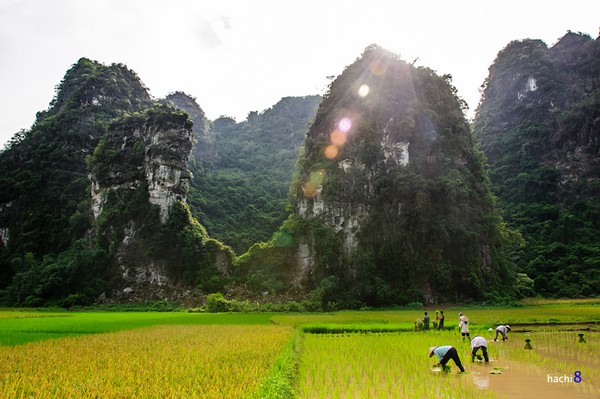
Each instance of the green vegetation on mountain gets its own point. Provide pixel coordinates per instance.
(400, 210)
(539, 125)
(376, 194)
(44, 190)
(65, 247)
(242, 171)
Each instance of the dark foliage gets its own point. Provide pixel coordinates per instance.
(426, 229)
(43, 176)
(242, 171)
(539, 125)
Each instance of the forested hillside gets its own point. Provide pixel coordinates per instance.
(539, 125)
(391, 204)
(376, 194)
(92, 199)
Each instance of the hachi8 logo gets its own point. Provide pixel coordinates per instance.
(565, 378)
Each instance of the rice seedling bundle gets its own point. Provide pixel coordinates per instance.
(156, 362)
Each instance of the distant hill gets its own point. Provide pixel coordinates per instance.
(539, 125)
(243, 171)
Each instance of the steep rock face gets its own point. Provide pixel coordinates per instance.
(145, 154)
(43, 167)
(539, 125)
(153, 148)
(204, 142)
(61, 245)
(391, 201)
(43, 183)
(139, 184)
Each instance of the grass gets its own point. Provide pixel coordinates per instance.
(479, 318)
(368, 327)
(368, 354)
(281, 379)
(388, 365)
(21, 329)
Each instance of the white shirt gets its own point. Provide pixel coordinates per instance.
(503, 330)
(477, 342)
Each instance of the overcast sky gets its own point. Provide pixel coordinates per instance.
(241, 56)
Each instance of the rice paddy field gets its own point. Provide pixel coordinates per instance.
(354, 354)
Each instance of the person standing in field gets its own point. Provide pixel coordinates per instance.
(444, 354)
(479, 343)
(425, 322)
(441, 321)
(502, 330)
(463, 324)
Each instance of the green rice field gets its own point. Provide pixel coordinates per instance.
(350, 354)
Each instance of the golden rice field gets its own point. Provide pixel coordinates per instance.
(251, 356)
(156, 362)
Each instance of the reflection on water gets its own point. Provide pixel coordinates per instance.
(526, 381)
(481, 381)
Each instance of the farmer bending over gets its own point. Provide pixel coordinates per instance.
(476, 343)
(502, 330)
(445, 353)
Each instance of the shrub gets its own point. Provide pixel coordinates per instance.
(217, 303)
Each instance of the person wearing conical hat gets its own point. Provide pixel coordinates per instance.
(503, 329)
(464, 326)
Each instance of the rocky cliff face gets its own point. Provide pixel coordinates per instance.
(204, 149)
(551, 94)
(539, 125)
(147, 152)
(150, 149)
(139, 174)
(391, 202)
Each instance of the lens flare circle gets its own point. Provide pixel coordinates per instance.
(378, 67)
(337, 138)
(344, 125)
(331, 152)
(363, 90)
(310, 189)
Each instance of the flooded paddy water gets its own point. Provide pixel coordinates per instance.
(557, 366)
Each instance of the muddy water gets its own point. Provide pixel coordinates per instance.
(527, 382)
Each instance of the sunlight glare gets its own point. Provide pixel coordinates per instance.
(378, 67)
(363, 91)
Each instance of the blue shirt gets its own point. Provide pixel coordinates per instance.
(440, 351)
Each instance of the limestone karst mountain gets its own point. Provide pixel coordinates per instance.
(93, 199)
(391, 201)
(539, 125)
